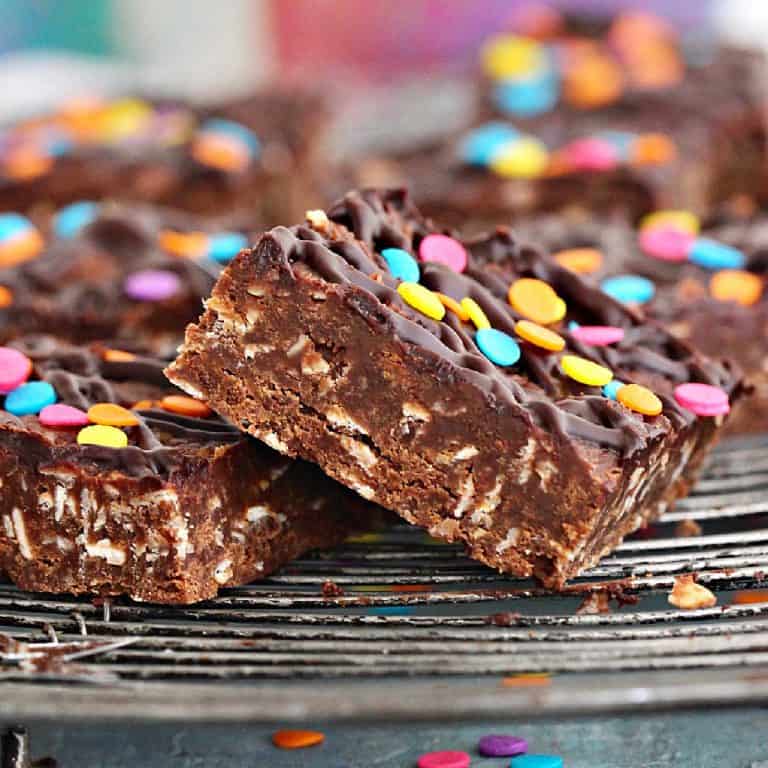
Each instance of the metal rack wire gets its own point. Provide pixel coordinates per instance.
(401, 626)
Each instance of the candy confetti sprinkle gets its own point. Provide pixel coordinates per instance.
(639, 399)
(422, 299)
(501, 745)
(185, 406)
(106, 437)
(60, 415)
(15, 369)
(583, 261)
(152, 285)
(73, 218)
(30, 398)
(585, 371)
(475, 313)
(736, 285)
(443, 250)
(539, 336)
(598, 335)
(444, 759)
(497, 346)
(297, 739)
(536, 300)
(401, 264)
(112, 415)
(702, 399)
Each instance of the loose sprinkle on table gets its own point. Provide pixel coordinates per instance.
(30, 398)
(73, 218)
(497, 346)
(536, 300)
(60, 415)
(537, 761)
(401, 264)
(639, 399)
(539, 336)
(736, 285)
(598, 335)
(98, 434)
(501, 745)
(445, 759)
(475, 313)
(15, 369)
(185, 406)
(152, 285)
(584, 261)
(297, 739)
(112, 415)
(444, 250)
(629, 289)
(422, 299)
(702, 399)
(585, 371)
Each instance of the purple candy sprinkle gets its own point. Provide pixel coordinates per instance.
(152, 285)
(497, 745)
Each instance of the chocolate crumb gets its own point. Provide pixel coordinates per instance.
(332, 589)
(686, 528)
(594, 602)
(503, 619)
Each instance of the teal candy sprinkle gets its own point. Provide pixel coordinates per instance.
(74, 217)
(224, 246)
(629, 289)
(611, 389)
(13, 225)
(536, 761)
(497, 346)
(401, 264)
(480, 146)
(30, 398)
(233, 129)
(711, 254)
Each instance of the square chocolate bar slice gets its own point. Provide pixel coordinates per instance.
(453, 394)
(114, 483)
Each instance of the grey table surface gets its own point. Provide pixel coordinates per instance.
(704, 739)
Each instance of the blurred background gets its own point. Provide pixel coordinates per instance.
(53, 50)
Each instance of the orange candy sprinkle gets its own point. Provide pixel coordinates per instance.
(297, 739)
(640, 399)
(584, 261)
(221, 153)
(118, 356)
(111, 415)
(143, 405)
(749, 596)
(594, 81)
(21, 249)
(6, 297)
(736, 285)
(536, 300)
(454, 306)
(539, 336)
(26, 163)
(527, 681)
(190, 245)
(653, 149)
(186, 406)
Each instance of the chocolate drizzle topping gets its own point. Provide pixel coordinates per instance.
(347, 253)
(82, 378)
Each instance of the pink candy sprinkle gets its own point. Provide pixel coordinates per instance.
(443, 250)
(60, 415)
(666, 243)
(703, 399)
(598, 335)
(14, 369)
(447, 759)
(152, 285)
(591, 155)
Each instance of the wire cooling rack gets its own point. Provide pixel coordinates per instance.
(400, 626)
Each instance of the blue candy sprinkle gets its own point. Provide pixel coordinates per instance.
(611, 389)
(573, 325)
(231, 128)
(621, 141)
(13, 225)
(536, 761)
(224, 246)
(497, 346)
(713, 255)
(72, 218)
(391, 610)
(629, 289)
(526, 98)
(401, 264)
(481, 145)
(57, 143)
(30, 398)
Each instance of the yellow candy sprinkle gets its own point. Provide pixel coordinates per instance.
(536, 300)
(682, 220)
(124, 118)
(507, 56)
(422, 299)
(475, 313)
(640, 399)
(737, 285)
(584, 261)
(97, 434)
(451, 303)
(585, 371)
(523, 158)
(539, 336)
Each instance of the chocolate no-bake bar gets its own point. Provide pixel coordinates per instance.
(245, 155)
(132, 273)
(620, 114)
(416, 384)
(683, 294)
(114, 483)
